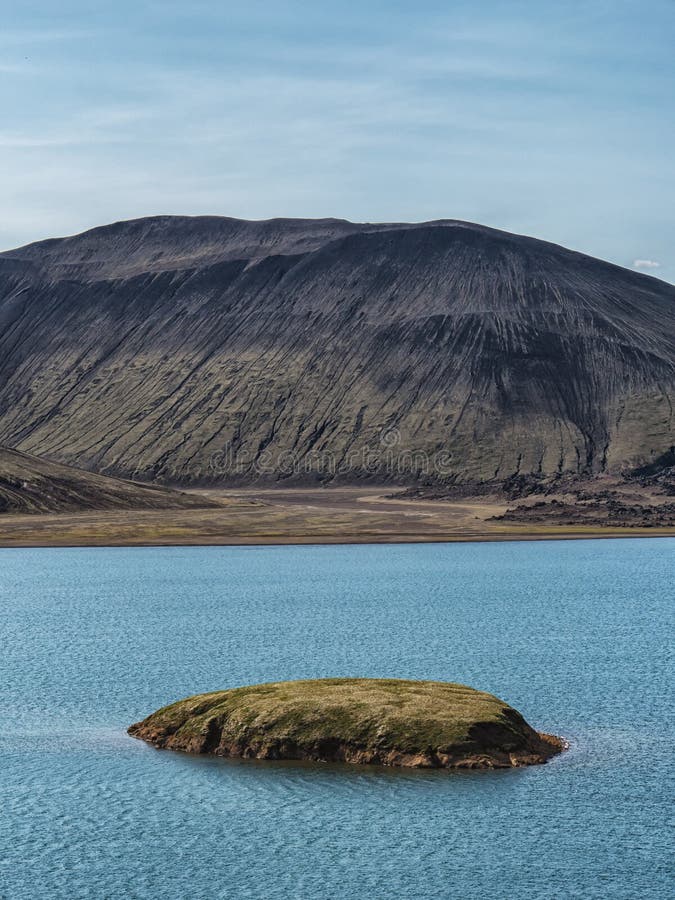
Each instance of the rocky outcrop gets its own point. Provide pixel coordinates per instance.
(604, 510)
(212, 350)
(422, 724)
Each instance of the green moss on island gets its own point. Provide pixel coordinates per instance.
(425, 724)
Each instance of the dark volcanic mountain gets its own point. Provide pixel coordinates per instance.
(213, 349)
(32, 485)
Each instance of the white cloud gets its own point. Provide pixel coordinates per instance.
(23, 37)
(646, 264)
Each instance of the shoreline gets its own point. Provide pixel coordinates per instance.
(310, 541)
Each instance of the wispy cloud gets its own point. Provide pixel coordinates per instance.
(27, 36)
(14, 69)
(366, 111)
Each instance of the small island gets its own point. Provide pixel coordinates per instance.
(390, 722)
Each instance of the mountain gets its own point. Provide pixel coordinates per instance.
(208, 349)
(32, 485)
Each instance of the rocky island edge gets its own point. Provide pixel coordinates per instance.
(390, 722)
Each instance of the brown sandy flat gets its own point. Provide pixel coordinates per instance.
(295, 516)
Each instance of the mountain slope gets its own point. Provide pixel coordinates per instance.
(212, 349)
(32, 485)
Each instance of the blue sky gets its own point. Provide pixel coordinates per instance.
(551, 119)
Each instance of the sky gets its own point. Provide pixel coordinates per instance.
(553, 119)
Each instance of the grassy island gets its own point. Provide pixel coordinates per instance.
(424, 724)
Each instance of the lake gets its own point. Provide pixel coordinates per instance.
(576, 635)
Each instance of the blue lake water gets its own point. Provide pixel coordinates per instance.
(577, 635)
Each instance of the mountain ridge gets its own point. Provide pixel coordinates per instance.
(26, 252)
(32, 485)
